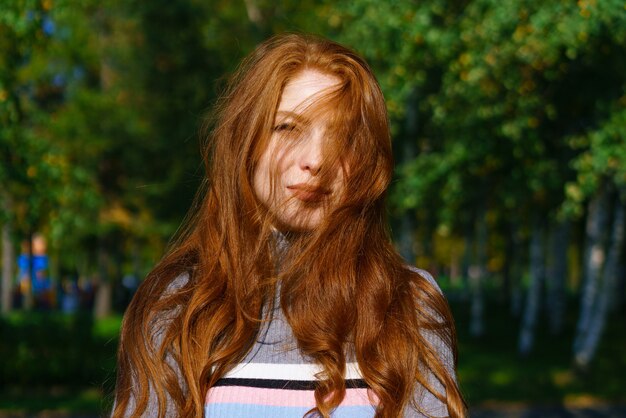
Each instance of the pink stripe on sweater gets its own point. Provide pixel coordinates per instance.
(280, 397)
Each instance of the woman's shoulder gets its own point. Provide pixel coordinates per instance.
(426, 275)
(162, 319)
(436, 334)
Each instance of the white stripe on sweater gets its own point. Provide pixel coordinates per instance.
(286, 371)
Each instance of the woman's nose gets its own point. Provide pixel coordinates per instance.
(311, 152)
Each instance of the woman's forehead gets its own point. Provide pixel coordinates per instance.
(303, 90)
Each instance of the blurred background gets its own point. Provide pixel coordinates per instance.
(509, 128)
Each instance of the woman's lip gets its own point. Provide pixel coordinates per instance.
(308, 193)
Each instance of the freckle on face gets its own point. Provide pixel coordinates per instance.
(285, 176)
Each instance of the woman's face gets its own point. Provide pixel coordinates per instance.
(286, 177)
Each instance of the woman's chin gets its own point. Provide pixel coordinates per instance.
(302, 222)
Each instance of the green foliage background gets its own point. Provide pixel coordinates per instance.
(519, 101)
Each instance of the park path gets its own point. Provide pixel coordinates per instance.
(500, 411)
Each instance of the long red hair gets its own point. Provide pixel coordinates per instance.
(343, 287)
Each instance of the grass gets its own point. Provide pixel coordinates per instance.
(49, 361)
(52, 361)
(490, 370)
(67, 399)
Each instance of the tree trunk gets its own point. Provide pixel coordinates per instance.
(254, 12)
(54, 272)
(591, 337)
(557, 275)
(507, 270)
(617, 301)
(8, 258)
(533, 297)
(29, 300)
(455, 269)
(408, 153)
(466, 260)
(515, 261)
(407, 239)
(596, 227)
(477, 275)
(104, 295)
(137, 270)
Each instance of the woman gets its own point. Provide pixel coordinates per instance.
(284, 296)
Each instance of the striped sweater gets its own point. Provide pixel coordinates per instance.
(275, 380)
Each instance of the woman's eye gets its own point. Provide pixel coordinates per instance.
(285, 127)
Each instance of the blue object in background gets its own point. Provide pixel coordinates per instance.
(39, 273)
